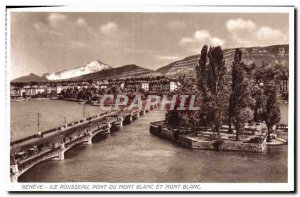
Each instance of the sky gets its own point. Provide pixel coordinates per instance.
(46, 42)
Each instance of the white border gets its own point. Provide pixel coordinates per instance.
(112, 8)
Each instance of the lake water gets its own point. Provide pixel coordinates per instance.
(132, 154)
(52, 114)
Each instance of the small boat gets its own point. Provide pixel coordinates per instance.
(19, 99)
(95, 103)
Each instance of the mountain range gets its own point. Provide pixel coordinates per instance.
(96, 70)
(92, 67)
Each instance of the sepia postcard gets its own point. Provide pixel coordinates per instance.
(150, 99)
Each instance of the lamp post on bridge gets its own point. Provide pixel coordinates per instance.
(65, 120)
(38, 125)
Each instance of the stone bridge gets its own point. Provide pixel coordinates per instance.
(52, 144)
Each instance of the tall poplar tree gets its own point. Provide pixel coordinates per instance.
(212, 85)
(240, 97)
(272, 109)
(205, 115)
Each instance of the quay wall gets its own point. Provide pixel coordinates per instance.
(157, 129)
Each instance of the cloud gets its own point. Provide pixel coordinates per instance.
(202, 35)
(187, 40)
(177, 25)
(56, 19)
(81, 22)
(247, 33)
(109, 27)
(200, 38)
(167, 57)
(132, 50)
(240, 24)
(42, 28)
(267, 33)
(217, 41)
(70, 29)
(79, 44)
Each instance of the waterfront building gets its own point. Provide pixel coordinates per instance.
(61, 87)
(50, 89)
(17, 92)
(103, 86)
(173, 85)
(85, 85)
(78, 86)
(155, 86)
(40, 89)
(284, 84)
(166, 86)
(136, 85)
(145, 85)
(30, 90)
(132, 86)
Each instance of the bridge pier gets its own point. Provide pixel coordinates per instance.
(14, 178)
(121, 121)
(109, 126)
(61, 153)
(138, 115)
(15, 168)
(89, 138)
(15, 171)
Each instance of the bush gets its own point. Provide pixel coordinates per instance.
(217, 144)
(176, 133)
(256, 140)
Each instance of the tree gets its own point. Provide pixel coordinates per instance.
(240, 97)
(173, 117)
(215, 88)
(272, 110)
(205, 114)
(259, 103)
(182, 118)
(201, 71)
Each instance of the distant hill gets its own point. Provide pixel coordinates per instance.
(29, 78)
(277, 54)
(126, 71)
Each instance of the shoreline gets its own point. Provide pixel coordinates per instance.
(156, 128)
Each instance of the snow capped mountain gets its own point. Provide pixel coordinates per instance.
(92, 67)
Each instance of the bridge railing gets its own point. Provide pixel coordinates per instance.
(59, 128)
(104, 127)
(28, 162)
(55, 129)
(24, 139)
(68, 144)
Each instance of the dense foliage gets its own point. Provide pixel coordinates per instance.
(228, 95)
